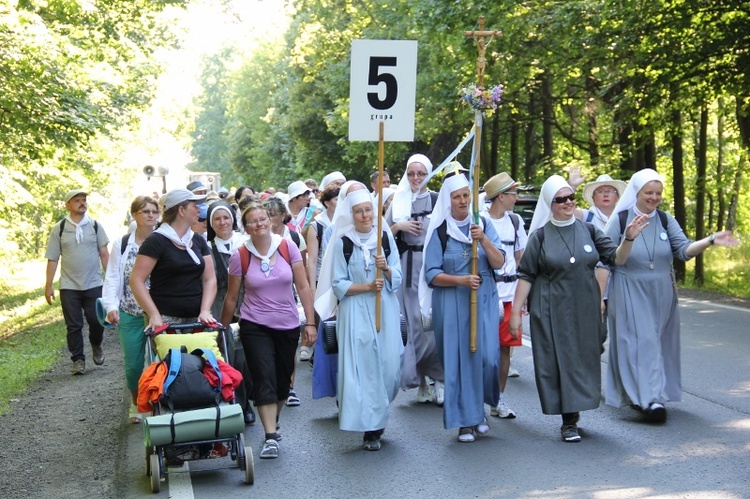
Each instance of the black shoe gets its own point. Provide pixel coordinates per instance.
(656, 413)
(98, 352)
(249, 416)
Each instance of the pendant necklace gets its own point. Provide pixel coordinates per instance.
(465, 252)
(572, 258)
(650, 255)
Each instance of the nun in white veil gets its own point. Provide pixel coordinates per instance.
(556, 275)
(408, 219)
(369, 361)
(471, 378)
(644, 322)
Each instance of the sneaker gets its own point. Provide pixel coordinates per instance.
(292, 400)
(502, 411)
(466, 435)
(424, 394)
(438, 393)
(570, 433)
(79, 367)
(98, 354)
(513, 372)
(482, 428)
(656, 413)
(304, 353)
(270, 449)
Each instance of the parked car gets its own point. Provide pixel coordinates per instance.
(526, 202)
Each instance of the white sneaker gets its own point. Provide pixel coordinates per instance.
(438, 393)
(304, 353)
(502, 411)
(513, 372)
(483, 428)
(424, 394)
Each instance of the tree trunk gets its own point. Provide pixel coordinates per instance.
(678, 184)
(700, 190)
(547, 119)
(593, 136)
(528, 145)
(732, 214)
(494, 141)
(720, 198)
(514, 149)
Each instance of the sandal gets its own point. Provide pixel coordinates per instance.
(466, 435)
(270, 449)
(133, 415)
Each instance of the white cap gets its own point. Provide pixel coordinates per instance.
(177, 196)
(297, 188)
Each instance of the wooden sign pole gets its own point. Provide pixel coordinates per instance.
(379, 272)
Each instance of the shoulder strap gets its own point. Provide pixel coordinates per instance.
(591, 229)
(295, 238)
(623, 216)
(211, 359)
(433, 199)
(175, 361)
(663, 218)
(62, 227)
(319, 230)
(590, 215)
(124, 243)
(386, 244)
(244, 259)
(284, 250)
(442, 232)
(348, 248)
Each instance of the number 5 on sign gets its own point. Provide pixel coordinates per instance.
(382, 87)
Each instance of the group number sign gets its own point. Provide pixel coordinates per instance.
(382, 87)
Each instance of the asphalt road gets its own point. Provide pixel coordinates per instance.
(702, 451)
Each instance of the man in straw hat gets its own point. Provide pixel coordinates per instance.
(602, 196)
(502, 194)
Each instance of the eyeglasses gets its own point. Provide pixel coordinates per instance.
(363, 211)
(513, 193)
(148, 213)
(605, 191)
(416, 174)
(564, 199)
(259, 221)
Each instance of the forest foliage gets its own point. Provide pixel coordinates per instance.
(610, 85)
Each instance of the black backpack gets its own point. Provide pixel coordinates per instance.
(402, 246)
(185, 386)
(349, 246)
(62, 228)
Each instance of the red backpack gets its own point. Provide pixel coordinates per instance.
(245, 255)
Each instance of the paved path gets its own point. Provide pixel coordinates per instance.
(702, 451)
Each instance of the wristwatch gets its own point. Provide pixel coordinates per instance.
(711, 239)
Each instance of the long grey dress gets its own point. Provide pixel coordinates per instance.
(644, 322)
(420, 354)
(567, 332)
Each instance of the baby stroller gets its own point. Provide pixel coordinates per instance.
(191, 428)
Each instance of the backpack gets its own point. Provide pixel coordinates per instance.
(515, 220)
(185, 386)
(295, 237)
(402, 246)
(442, 232)
(62, 228)
(623, 216)
(349, 246)
(245, 255)
(124, 243)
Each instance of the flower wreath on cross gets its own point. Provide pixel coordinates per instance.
(480, 98)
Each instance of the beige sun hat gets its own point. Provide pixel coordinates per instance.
(497, 184)
(588, 189)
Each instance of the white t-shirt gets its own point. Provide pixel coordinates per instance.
(509, 244)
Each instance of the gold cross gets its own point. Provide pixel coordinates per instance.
(480, 36)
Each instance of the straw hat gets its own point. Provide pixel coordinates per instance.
(588, 190)
(497, 184)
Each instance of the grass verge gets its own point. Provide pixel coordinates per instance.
(32, 333)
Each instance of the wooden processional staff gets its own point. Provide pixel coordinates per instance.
(483, 38)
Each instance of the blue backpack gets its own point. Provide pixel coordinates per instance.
(185, 386)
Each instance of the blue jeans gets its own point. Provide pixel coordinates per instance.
(75, 305)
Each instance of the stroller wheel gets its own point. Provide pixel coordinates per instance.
(155, 466)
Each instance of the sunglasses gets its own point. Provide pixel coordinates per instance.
(564, 199)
